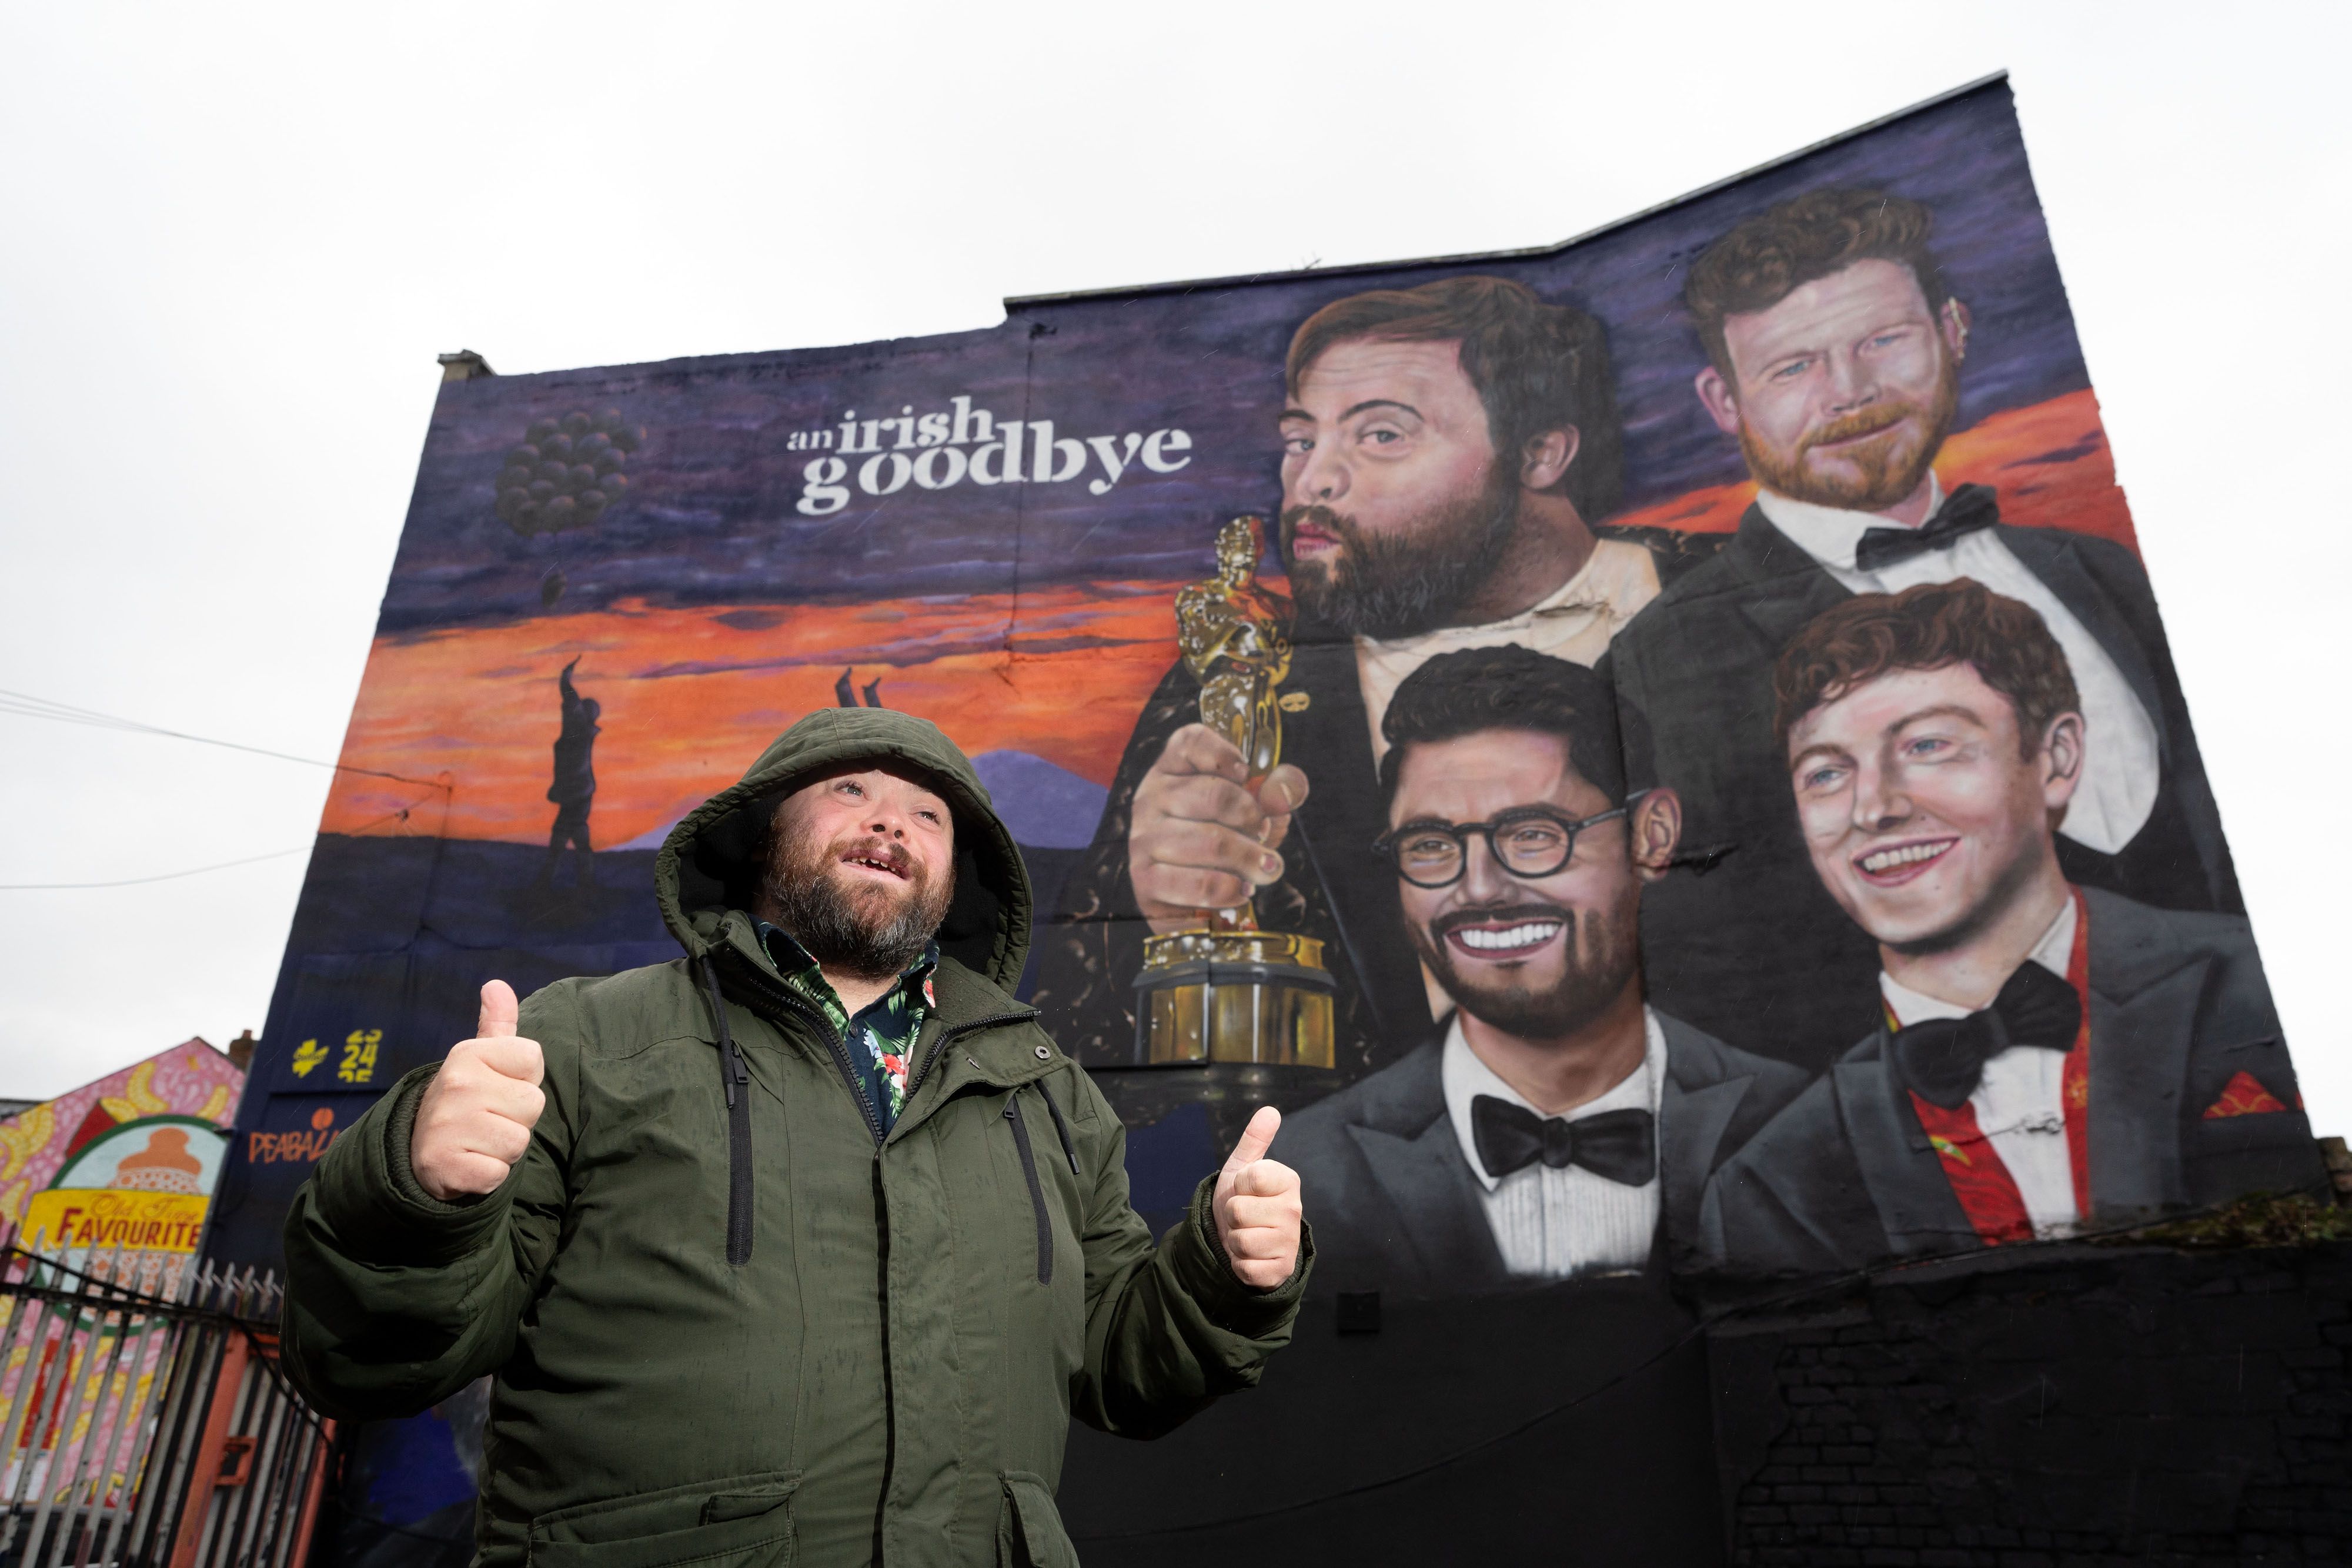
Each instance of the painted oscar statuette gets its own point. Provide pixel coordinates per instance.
(1226, 991)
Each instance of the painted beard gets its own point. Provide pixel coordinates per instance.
(1603, 953)
(863, 929)
(1410, 580)
(1884, 472)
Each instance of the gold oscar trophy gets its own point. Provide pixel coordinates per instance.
(1226, 991)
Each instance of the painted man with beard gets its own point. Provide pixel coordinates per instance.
(1557, 1126)
(1834, 349)
(1446, 453)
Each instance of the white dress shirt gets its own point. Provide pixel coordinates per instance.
(2120, 770)
(1549, 1224)
(2021, 1101)
(1574, 623)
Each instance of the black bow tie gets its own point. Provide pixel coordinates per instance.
(1620, 1145)
(1965, 510)
(1943, 1060)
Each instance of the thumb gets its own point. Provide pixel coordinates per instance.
(500, 1013)
(1257, 1138)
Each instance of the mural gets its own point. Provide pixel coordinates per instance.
(129, 1161)
(1659, 754)
(110, 1180)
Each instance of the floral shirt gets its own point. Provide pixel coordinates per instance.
(881, 1038)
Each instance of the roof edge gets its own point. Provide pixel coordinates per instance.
(1017, 302)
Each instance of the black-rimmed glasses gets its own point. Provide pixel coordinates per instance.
(1529, 842)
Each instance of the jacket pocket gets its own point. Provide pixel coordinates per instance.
(1029, 1531)
(741, 1521)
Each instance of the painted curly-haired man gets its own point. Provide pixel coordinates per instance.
(2049, 1057)
(1834, 346)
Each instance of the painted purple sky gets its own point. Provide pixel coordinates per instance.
(709, 514)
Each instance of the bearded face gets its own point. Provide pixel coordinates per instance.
(1535, 956)
(1843, 392)
(1867, 461)
(1409, 577)
(855, 900)
(1533, 993)
(1396, 508)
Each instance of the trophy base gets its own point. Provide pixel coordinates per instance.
(1259, 997)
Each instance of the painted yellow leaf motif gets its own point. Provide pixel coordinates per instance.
(216, 1109)
(13, 1201)
(145, 1099)
(1948, 1149)
(24, 1134)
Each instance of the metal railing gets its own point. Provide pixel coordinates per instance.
(147, 1423)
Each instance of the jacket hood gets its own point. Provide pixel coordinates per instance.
(706, 869)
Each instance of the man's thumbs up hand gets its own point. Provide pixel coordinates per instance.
(478, 1112)
(1258, 1209)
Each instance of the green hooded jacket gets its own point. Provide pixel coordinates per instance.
(728, 1327)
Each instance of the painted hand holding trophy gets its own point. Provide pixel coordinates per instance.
(1226, 991)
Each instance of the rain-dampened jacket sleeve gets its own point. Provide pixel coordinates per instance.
(1169, 1326)
(396, 1300)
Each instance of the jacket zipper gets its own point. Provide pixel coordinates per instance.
(737, 1080)
(1036, 1188)
(923, 1070)
(839, 1045)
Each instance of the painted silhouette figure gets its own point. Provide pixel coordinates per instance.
(576, 781)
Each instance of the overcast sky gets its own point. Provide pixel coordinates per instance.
(232, 239)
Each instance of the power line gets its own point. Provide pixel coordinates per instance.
(159, 876)
(400, 811)
(23, 704)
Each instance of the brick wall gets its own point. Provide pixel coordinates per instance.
(2071, 1406)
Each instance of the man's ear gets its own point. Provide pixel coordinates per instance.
(1953, 322)
(1657, 833)
(2061, 763)
(1722, 403)
(1544, 460)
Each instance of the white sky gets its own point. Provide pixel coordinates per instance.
(233, 238)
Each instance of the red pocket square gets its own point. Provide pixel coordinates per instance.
(2242, 1097)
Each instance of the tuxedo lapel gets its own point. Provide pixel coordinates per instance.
(1906, 1179)
(1785, 587)
(2144, 1006)
(1331, 742)
(1428, 1181)
(1691, 1123)
(2050, 554)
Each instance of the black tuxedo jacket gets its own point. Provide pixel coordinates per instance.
(1845, 1176)
(1755, 951)
(1332, 887)
(1396, 1206)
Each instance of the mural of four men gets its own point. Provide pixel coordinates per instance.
(1619, 846)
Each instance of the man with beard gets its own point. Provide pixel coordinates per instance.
(2048, 1057)
(731, 1232)
(1447, 451)
(1834, 349)
(1557, 1126)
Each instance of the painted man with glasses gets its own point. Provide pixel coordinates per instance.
(1555, 1125)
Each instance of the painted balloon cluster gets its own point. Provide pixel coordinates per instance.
(566, 471)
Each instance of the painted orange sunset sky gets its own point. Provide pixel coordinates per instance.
(691, 695)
